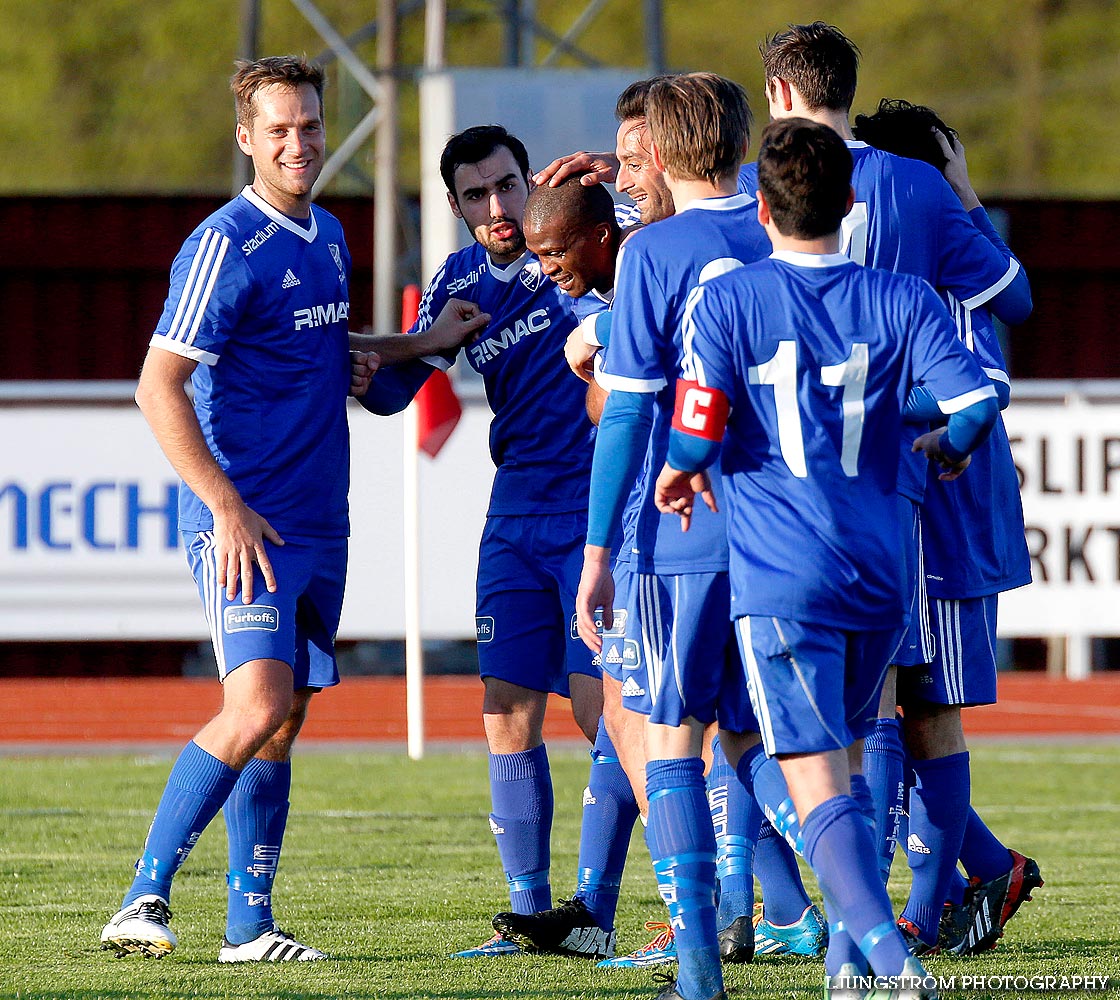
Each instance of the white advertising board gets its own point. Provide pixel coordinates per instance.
(89, 547)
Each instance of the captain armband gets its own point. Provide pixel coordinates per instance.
(700, 410)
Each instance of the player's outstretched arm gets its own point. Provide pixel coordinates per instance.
(597, 168)
(458, 323)
(239, 532)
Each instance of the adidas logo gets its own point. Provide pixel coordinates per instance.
(614, 656)
(588, 798)
(290, 280)
(494, 828)
(914, 843)
(631, 688)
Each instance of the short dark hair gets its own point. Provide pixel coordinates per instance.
(583, 205)
(473, 145)
(254, 74)
(905, 129)
(818, 59)
(701, 123)
(805, 175)
(631, 102)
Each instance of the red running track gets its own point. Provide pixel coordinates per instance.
(65, 712)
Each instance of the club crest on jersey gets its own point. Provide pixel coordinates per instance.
(530, 275)
(251, 617)
(337, 255)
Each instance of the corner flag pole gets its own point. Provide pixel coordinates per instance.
(413, 646)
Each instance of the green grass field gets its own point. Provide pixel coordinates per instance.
(389, 866)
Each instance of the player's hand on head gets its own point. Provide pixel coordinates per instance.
(239, 537)
(459, 322)
(597, 168)
(956, 169)
(363, 366)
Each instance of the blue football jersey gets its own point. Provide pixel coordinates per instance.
(972, 528)
(816, 357)
(658, 267)
(540, 438)
(263, 303)
(907, 219)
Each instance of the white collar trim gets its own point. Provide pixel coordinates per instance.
(726, 203)
(507, 272)
(280, 218)
(855, 144)
(799, 259)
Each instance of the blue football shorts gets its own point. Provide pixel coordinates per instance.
(678, 652)
(616, 656)
(297, 624)
(963, 671)
(917, 643)
(814, 687)
(528, 573)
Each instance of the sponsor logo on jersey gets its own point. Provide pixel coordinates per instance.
(488, 349)
(260, 617)
(632, 689)
(290, 280)
(484, 628)
(332, 312)
(466, 281)
(530, 275)
(257, 240)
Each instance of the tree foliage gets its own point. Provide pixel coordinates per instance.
(108, 95)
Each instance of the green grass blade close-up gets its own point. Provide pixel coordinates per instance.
(389, 866)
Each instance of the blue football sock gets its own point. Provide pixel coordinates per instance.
(784, 899)
(256, 815)
(196, 788)
(682, 844)
(839, 848)
(861, 792)
(957, 885)
(521, 795)
(609, 813)
(982, 854)
(736, 817)
(938, 809)
(770, 791)
(883, 763)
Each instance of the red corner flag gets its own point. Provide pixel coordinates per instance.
(437, 407)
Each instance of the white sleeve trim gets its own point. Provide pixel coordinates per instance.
(958, 403)
(587, 330)
(994, 290)
(997, 375)
(183, 350)
(624, 384)
(438, 361)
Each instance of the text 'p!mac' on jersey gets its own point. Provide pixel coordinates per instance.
(540, 438)
(817, 357)
(262, 302)
(658, 269)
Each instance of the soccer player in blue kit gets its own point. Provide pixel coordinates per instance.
(974, 548)
(529, 556)
(679, 656)
(807, 361)
(256, 318)
(907, 219)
